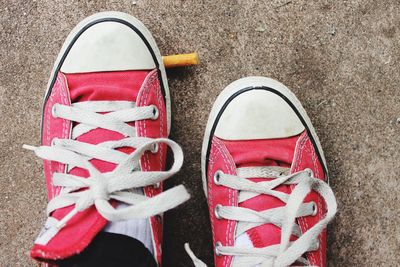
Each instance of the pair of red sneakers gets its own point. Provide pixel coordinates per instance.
(105, 127)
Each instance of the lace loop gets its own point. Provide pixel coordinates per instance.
(287, 252)
(99, 188)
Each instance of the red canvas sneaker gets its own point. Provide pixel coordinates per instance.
(105, 124)
(264, 174)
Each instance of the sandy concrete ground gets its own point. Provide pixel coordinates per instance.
(339, 57)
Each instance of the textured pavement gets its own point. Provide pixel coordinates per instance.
(341, 58)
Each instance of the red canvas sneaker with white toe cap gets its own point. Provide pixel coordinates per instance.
(265, 178)
(105, 127)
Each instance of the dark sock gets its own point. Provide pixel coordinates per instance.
(109, 249)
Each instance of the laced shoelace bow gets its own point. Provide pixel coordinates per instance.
(119, 184)
(287, 252)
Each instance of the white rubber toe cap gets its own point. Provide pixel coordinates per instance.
(258, 114)
(108, 46)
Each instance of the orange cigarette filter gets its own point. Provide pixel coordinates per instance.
(181, 60)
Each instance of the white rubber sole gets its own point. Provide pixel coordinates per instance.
(135, 23)
(252, 83)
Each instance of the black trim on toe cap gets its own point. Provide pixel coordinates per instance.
(214, 126)
(81, 31)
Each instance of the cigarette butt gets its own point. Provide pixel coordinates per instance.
(181, 60)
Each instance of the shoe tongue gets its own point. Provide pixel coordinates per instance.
(272, 152)
(106, 86)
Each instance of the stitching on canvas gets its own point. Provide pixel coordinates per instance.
(210, 195)
(159, 100)
(302, 143)
(320, 204)
(65, 123)
(143, 131)
(47, 119)
(227, 161)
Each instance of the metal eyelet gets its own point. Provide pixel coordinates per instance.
(154, 149)
(54, 111)
(155, 112)
(216, 211)
(310, 172)
(157, 185)
(317, 246)
(217, 246)
(53, 141)
(314, 208)
(217, 176)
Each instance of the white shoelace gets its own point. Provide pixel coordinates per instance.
(126, 181)
(287, 252)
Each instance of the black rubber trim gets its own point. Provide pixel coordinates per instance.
(246, 89)
(81, 31)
